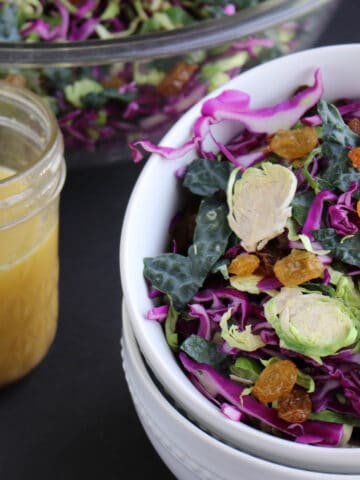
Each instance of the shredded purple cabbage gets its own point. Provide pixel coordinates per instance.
(235, 105)
(313, 220)
(343, 215)
(217, 386)
(158, 313)
(231, 412)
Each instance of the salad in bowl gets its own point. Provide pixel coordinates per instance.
(262, 305)
(251, 260)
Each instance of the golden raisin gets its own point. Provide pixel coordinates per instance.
(275, 381)
(244, 265)
(354, 156)
(298, 267)
(176, 79)
(16, 80)
(112, 82)
(358, 208)
(292, 144)
(354, 124)
(295, 407)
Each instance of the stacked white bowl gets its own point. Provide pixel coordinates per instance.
(188, 451)
(239, 448)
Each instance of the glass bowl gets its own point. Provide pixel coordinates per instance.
(139, 86)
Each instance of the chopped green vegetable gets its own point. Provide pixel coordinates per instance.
(210, 237)
(320, 288)
(300, 206)
(305, 381)
(170, 328)
(77, 91)
(259, 203)
(337, 138)
(171, 273)
(180, 277)
(246, 369)
(347, 251)
(314, 184)
(205, 178)
(349, 294)
(312, 324)
(246, 283)
(243, 340)
(222, 267)
(329, 416)
(102, 97)
(203, 351)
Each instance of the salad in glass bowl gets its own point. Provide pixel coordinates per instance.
(258, 292)
(115, 71)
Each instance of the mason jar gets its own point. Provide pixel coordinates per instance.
(32, 173)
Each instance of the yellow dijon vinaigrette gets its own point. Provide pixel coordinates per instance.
(32, 173)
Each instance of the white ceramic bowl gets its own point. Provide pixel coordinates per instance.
(152, 205)
(190, 453)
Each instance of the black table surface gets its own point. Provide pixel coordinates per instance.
(72, 418)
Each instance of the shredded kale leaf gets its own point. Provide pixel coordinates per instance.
(205, 178)
(99, 99)
(180, 277)
(58, 77)
(337, 139)
(203, 351)
(171, 273)
(346, 249)
(210, 237)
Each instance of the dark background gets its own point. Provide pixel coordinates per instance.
(73, 418)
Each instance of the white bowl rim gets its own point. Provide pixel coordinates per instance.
(134, 354)
(164, 374)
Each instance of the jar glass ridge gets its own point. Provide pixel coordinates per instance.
(32, 173)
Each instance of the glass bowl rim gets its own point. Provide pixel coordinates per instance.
(205, 34)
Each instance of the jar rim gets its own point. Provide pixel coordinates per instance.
(33, 186)
(54, 140)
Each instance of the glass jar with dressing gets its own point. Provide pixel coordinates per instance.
(32, 173)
